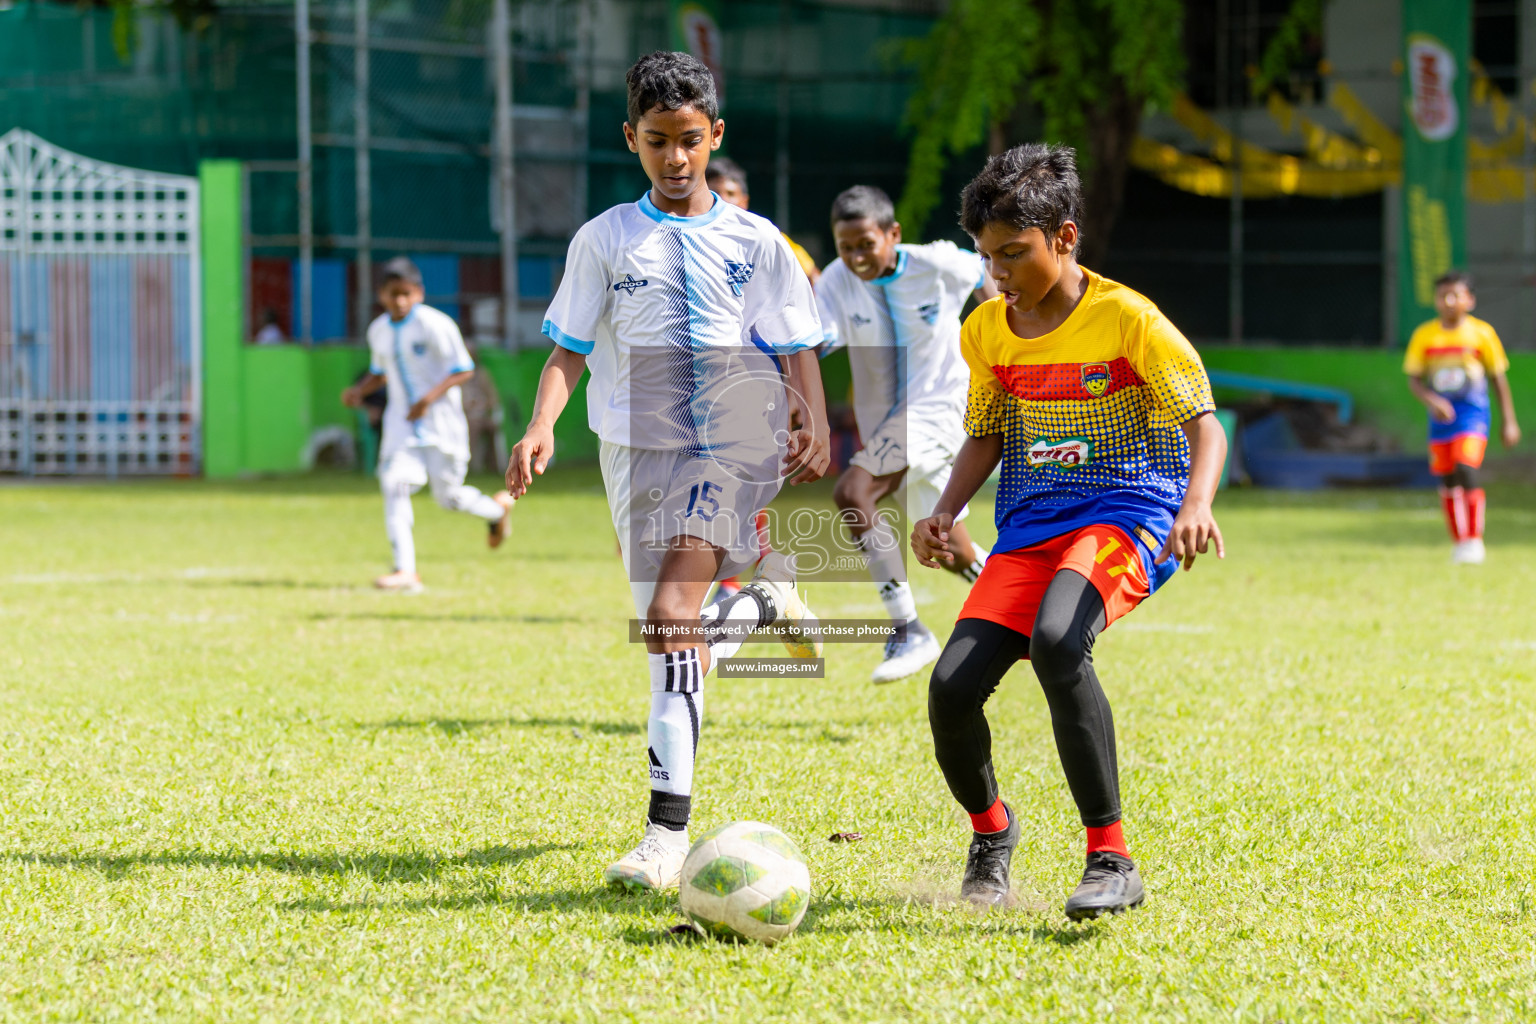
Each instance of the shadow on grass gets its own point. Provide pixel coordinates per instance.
(1067, 934)
(598, 899)
(381, 867)
(855, 915)
(455, 726)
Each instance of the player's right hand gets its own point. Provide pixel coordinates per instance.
(1442, 410)
(352, 397)
(808, 457)
(529, 456)
(930, 541)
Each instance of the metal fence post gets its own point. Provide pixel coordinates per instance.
(501, 46)
(364, 167)
(304, 329)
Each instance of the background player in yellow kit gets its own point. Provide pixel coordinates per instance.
(1449, 362)
(1102, 416)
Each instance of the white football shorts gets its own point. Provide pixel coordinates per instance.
(928, 456)
(656, 496)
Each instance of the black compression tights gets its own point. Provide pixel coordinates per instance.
(975, 660)
(1462, 476)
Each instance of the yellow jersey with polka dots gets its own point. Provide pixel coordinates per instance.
(1091, 416)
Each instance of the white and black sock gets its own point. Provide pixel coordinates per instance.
(882, 552)
(901, 606)
(882, 556)
(728, 624)
(677, 710)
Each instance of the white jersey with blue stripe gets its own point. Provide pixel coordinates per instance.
(903, 336)
(414, 355)
(679, 318)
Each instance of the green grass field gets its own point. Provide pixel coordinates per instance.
(236, 784)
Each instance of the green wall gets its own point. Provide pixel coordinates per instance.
(1375, 378)
(517, 379)
(258, 401)
(219, 216)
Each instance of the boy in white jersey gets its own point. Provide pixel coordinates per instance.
(659, 301)
(418, 354)
(897, 309)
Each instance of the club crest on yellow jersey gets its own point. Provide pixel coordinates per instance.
(1095, 378)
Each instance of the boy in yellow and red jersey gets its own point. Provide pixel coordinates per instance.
(1449, 362)
(1101, 414)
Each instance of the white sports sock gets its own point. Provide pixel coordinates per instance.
(882, 552)
(899, 604)
(745, 612)
(677, 709)
(398, 521)
(978, 563)
(445, 474)
(476, 502)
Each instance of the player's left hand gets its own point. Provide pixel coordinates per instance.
(809, 456)
(930, 541)
(418, 410)
(1194, 529)
(1510, 433)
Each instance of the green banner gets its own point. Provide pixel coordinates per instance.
(696, 30)
(1436, 46)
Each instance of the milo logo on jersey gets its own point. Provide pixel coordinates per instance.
(1096, 378)
(1068, 453)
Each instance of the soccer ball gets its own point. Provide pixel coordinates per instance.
(746, 880)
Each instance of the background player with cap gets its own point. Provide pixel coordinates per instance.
(418, 353)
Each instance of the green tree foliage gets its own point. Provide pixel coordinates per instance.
(1087, 67)
(1288, 46)
(194, 15)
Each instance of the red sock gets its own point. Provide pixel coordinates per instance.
(993, 819)
(1454, 501)
(1107, 838)
(1477, 501)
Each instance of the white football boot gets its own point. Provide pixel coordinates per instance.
(657, 863)
(797, 626)
(906, 657)
(1469, 552)
(400, 583)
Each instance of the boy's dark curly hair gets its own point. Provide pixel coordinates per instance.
(670, 80)
(1030, 186)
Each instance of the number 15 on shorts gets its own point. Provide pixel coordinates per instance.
(703, 500)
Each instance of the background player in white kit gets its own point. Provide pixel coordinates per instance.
(418, 354)
(897, 309)
(659, 301)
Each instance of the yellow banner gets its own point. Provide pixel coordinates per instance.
(1334, 165)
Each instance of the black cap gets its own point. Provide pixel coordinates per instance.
(401, 269)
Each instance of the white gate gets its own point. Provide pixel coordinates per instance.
(100, 316)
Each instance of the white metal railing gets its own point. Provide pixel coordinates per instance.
(46, 438)
(100, 315)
